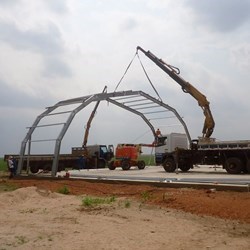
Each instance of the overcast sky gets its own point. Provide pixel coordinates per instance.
(52, 50)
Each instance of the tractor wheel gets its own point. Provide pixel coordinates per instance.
(125, 164)
(111, 165)
(141, 164)
(233, 165)
(169, 165)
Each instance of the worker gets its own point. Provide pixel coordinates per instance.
(158, 133)
(82, 161)
(11, 167)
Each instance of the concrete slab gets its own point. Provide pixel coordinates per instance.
(199, 174)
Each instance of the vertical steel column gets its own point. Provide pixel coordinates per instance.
(28, 157)
(28, 137)
(62, 133)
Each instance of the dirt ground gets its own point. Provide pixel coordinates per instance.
(36, 216)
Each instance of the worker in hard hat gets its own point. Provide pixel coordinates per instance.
(158, 132)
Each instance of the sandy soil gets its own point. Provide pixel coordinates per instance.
(36, 216)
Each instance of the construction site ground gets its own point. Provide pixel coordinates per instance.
(213, 175)
(37, 215)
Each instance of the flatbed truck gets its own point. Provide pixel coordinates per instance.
(90, 157)
(175, 153)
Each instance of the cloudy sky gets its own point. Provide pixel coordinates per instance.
(52, 50)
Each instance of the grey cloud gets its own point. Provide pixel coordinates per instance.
(45, 42)
(240, 56)
(221, 15)
(58, 6)
(48, 43)
(56, 67)
(13, 97)
(7, 3)
(129, 24)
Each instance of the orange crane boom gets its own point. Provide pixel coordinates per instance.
(174, 72)
(86, 135)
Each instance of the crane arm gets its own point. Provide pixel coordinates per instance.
(86, 135)
(174, 72)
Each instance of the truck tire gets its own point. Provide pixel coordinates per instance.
(184, 167)
(34, 169)
(233, 165)
(125, 164)
(169, 165)
(111, 165)
(141, 164)
(101, 163)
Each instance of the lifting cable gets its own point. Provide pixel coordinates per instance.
(125, 72)
(136, 54)
(148, 77)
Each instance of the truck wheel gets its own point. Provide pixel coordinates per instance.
(184, 167)
(141, 164)
(169, 165)
(34, 169)
(125, 165)
(233, 165)
(111, 165)
(101, 163)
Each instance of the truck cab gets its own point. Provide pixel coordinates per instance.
(96, 156)
(166, 145)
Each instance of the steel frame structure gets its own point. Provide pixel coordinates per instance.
(136, 102)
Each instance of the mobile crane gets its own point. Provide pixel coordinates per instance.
(86, 135)
(234, 156)
(174, 72)
(94, 155)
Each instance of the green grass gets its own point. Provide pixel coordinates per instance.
(146, 196)
(127, 204)
(3, 165)
(5, 187)
(21, 240)
(95, 201)
(63, 190)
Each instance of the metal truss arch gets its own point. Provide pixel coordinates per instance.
(136, 102)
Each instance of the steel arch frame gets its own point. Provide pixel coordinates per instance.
(112, 97)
